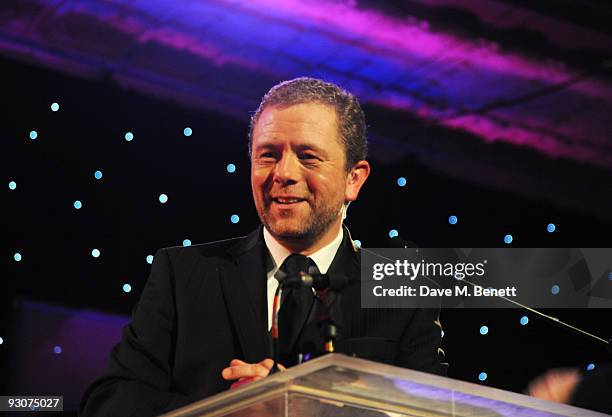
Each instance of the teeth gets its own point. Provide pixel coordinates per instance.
(287, 200)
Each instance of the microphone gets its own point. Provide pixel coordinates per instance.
(319, 282)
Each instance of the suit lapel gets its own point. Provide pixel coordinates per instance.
(346, 262)
(244, 286)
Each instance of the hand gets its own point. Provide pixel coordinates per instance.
(247, 372)
(555, 385)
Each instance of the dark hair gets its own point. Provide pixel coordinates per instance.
(351, 120)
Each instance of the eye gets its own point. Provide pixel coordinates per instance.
(308, 156)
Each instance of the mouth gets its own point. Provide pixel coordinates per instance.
(287, 201)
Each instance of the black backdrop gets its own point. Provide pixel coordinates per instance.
(123, 218)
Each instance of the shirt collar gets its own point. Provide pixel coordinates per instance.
(322, 258)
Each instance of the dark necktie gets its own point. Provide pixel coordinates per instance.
(295, 306)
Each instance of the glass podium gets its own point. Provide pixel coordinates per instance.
(338, 385)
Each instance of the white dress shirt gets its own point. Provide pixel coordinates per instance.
(278, 253)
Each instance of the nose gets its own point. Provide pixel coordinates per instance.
(287, 169)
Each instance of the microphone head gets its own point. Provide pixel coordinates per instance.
(296, 281)
(335, 282)
(319, 282)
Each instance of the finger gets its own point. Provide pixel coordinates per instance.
(564, 383)
(550, 389)
(537, 390)
(244, 381)
(281, 367)
(244, 371)
(238, 384)
(267, 363)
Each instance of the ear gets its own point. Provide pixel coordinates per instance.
(355, 179)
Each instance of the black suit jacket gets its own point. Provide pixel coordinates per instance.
(205, 305)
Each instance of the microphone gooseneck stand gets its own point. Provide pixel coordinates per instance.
(321, 284)
(329, 331)
(274, 330)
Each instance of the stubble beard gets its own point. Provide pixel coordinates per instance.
(303, 234)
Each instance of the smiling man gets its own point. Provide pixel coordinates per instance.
(300, 174)
(202, 323)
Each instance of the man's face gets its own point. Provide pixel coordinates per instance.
(298, 173)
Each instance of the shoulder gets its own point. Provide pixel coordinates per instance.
(215, 248)
(219, 249)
